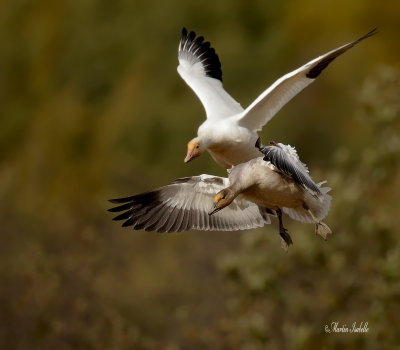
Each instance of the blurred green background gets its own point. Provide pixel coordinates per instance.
(92, 108)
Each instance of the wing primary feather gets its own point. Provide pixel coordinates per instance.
(123, 216)
(170, 220)
(159, 219)
(290, 167)
(184, 205)
(195, 49)
(266, 105)
(128, 222)
(163, 225)
(121, 207)
(121, 200)
(154, 222)
(146, 216)
(185, 225)
(320, 66)
(177, 220)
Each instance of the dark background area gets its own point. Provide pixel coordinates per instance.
(92, 108)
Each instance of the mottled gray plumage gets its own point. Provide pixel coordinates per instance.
(184, 205)
(253, 191)
(285, 159)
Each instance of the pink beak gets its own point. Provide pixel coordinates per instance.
(189, 157)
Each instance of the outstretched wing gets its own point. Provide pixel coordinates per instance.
(285, 159)
(184, 205)
(285, 88)
(200, 68)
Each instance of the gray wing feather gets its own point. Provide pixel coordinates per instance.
(285, 159)
(184, 205)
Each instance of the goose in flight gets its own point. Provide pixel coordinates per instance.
(230, 131)
(269, 185)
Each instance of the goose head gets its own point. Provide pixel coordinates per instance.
(222, 199)
(194, 149)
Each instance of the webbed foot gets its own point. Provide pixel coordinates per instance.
(286, 240)
(322, 229)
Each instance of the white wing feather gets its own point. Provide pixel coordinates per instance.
(216, 101)
(285, 88)
(200, 68)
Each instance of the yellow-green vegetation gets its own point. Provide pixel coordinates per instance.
(91, 108)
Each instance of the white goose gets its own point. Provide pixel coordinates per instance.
(230, 131)
(277, 182)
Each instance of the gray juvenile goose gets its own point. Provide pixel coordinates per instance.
(277, 182)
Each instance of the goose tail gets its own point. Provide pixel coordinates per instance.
(318, 205)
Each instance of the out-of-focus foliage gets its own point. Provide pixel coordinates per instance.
(91, 107)
(354, 277)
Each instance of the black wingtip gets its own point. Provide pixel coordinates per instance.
(121, 200)
(123, 216)
(122, 207)
(317, 70)
(184, 35)
(126, 203)
(371, 33)
(202, 52)
(128, 222)
(365, 36)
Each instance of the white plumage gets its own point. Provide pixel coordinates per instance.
(230, 131)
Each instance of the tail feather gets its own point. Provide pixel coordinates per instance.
(319, 206)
